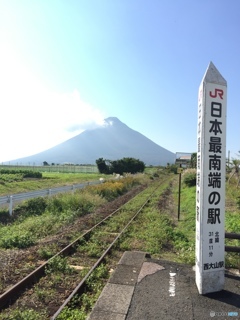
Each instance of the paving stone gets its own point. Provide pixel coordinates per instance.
(133, 258)
(125, 274)
(104, 315)
(115, 298)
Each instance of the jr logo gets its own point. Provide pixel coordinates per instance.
(218, 92)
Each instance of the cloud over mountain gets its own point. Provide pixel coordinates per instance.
(112, 140)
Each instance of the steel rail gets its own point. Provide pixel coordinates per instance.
(15, 291)
(79, 289)
(35, 275)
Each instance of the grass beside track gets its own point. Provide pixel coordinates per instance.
(156, 230)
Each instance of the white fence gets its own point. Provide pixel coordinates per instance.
(11, 199)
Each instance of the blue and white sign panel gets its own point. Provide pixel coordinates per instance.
(210, 190)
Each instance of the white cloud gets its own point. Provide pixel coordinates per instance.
(34, 119)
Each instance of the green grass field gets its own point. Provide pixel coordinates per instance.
(177, 237)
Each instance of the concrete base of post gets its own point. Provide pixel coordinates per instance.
(209, 282)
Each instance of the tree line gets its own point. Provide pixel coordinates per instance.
(124, 165)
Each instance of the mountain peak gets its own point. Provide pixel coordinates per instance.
(112, 121)
(114, 140)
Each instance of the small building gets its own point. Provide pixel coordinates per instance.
(183, 159)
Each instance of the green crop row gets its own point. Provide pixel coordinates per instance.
(24, 173)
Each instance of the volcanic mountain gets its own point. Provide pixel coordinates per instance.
(112, 141)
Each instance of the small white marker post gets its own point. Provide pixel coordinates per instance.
(210, 190)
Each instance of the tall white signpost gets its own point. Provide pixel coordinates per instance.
(210, 191)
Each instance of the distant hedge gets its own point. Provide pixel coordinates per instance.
(124, 165)
(24, 173)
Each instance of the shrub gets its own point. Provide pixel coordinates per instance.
(72, 314)
(32, 207)
(190, 179)
(172, 168)
(55, 204)
(232, 223)
(48, 251)
(81, 202)
(108, 190)
(28, 314)
(58, 264)
(5, 217)
(15, 240)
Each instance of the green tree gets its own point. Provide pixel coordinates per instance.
(194, 160)
(125, 165)
(102, 166)
(121, 166)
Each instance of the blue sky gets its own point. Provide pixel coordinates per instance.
(65, 65)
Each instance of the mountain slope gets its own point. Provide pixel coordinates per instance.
(112, 141)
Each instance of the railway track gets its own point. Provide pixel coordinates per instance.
(58, 281)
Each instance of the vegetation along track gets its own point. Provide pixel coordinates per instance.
(61, 280)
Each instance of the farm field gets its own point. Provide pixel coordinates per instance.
(15, 183)
(39, 225)
(54, 168)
